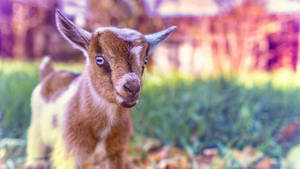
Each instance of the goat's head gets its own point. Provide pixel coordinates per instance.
(115, 57)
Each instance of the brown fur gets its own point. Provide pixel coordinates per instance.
(120, 58)
(56, 83)
(81, 132)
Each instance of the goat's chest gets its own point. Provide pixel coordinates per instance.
(98, 158)
(112, 143)
(100, 155)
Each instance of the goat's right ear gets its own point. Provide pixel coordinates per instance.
(77, 36)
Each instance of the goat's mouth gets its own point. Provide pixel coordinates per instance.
(127, 102)
(128, 105)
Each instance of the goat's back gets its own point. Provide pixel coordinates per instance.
(55, 84)
(49, 102)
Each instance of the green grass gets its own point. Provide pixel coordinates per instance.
(16, 83)
(196, 114)
(192, 113)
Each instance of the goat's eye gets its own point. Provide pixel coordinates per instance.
(99, 60)
(146, 61)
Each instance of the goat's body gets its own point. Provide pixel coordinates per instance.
(85, 119)
(79, 135)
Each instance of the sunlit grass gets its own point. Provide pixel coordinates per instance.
(280, 79)
(29, 68)
(32, 67)
(283, 79)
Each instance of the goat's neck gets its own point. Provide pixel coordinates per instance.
(90, 120)
(96, 108)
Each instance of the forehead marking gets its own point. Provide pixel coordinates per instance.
(126, 34)
(137, 52)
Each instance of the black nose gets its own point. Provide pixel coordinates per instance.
(132, 87)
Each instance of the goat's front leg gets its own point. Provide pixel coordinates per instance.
(117, 161)
(36, 150)
(110, 162)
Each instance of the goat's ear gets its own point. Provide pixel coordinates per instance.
(77, 36)
(156, 39)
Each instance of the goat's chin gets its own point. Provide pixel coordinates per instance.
(126, 103)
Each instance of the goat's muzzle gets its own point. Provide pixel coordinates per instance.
(132, 87)
(128, 90)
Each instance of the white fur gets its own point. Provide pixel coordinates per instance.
(43, 112)
(137, 52)
(100, 150)
(120, 99)
(44, 62)
(126, 34)
(41, 120)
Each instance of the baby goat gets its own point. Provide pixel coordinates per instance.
(85, 119)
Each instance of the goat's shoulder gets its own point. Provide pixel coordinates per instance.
(56, 83)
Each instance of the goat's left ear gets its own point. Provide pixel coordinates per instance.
(156, 39)
(77, 36)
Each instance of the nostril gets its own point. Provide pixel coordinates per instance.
(132, 87)
(127, 87)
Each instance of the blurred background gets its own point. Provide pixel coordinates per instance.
(222, 92)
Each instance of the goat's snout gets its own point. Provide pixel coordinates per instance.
(128, 90)
(132, 87)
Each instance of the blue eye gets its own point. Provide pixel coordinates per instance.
(146, 61)
(99, 60)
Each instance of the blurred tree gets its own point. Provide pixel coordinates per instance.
(225, 4)
(6, 34)
(18, 20)
(236, 33)
(25, 17)
(122, 13)
(27, 28)
(28, 31)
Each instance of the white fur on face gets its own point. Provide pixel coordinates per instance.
(137, 53)
(126, 34)
(127, 77)
(120, 99)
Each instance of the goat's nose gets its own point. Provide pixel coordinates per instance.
(132, 87)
